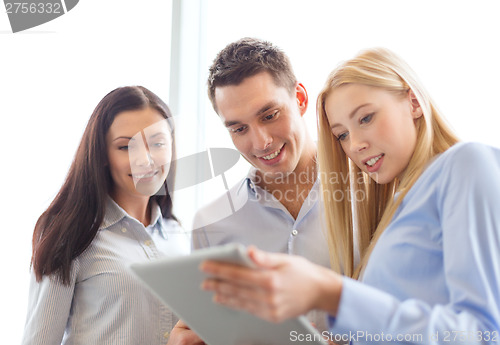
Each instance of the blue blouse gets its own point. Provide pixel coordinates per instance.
(434, 275)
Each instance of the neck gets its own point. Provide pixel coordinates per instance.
(136, 207)
(302, 177)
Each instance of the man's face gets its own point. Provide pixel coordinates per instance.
(265, 123)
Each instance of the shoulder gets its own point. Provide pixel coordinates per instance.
(469, 157)
(171, 224)
(468, 167)
(464, 164)
(469, 151)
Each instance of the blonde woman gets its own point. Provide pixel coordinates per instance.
(428, 219)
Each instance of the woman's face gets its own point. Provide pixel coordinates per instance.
(375, 128)
(139, 146)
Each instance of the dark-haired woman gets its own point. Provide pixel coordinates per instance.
(114, 208)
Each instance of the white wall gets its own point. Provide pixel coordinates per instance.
(51, 78)
(451, 45)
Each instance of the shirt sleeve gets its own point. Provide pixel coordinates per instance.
(49, 306)
(469, 208)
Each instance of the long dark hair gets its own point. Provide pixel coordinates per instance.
(70, 223)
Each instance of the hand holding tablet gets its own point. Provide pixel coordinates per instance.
(177, 282)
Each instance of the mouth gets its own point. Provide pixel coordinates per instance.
(371, 163)
(272, 155)
(145, 175)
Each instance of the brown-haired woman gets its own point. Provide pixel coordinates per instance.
(114, 208)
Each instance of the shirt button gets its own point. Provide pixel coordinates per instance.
(147, 243)
(252, 186)
(124, 230)
(166, 335)
(294, 232)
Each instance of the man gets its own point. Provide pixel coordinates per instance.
(277, 207)
(253, 89)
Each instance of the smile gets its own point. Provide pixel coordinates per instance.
(272, 155)
(374, 160)
(145, 175)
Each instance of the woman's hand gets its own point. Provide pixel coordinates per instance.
(283, 286)
(183, 335)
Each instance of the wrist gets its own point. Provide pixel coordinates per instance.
(330, 290)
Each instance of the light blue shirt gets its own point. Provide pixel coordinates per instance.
(434, 275)
(104, 303)
(260, 219)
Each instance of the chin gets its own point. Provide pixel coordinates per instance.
(276, 172)
(381, 179)
(149, 189)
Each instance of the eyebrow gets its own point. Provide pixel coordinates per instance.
(132, 138)
(157, 134)
(351, 115)
(262, 110)
(128, 138)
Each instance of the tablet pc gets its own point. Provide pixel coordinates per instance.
(177, 282)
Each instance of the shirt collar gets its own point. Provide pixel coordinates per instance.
(249, 181)
(155, 213)
(249, 189)
(114, 214)
(156, 216)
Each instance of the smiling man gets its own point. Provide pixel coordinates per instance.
(277, 206)
(254, 91)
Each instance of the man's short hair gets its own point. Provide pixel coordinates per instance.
(246, 58)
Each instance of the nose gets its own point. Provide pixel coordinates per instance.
(142, 156)
(261, 139)
(357, 142)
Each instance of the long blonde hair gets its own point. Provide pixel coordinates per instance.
(342, 180)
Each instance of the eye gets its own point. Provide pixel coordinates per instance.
(342, 136)
(123, 148)
(270, 116)
(159, 145)
(238, 130)
(366, 119)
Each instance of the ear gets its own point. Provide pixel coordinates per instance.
(302, 98)
(416, 109)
